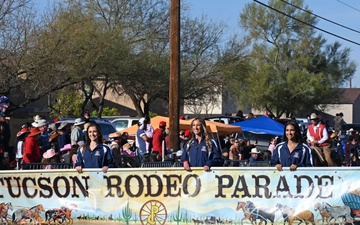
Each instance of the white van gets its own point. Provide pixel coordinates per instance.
(122, 122)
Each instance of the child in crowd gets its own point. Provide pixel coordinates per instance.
(50, 157)
(66, 157)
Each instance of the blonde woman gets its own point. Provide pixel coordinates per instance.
(200, 150)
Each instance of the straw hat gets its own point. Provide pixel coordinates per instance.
(126, 146)
(78, 122)
(115, 134)
(54, 134)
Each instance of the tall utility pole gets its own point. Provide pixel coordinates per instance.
(174, 74)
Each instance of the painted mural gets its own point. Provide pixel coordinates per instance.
(174, 196)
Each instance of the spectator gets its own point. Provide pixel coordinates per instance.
(338, 122)
(94, 154)
(49, 158)
(200, 150)
(234, 150)
(76, 133)
(5, 133)
(64, 135)
(31, 148)
(254, 155)
(272, 144)
(158, 141)
(184, 138)
(66, 154)
(143, 137)
(20, 140)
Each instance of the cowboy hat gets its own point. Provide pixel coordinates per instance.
(54, 134)
(313, 116)
(66, 147)
(254, 151)
(86, 125)
(22, 131)
(126, 146)
(115, 134)
(49, 154)
(34, 131)
(78, 121)
(62, 125)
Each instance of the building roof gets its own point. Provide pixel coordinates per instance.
(349, 96)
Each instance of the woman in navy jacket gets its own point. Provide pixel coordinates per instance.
(200, 150)
(94, 154)
(292, 152)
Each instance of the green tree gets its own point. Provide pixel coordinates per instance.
(294, 70)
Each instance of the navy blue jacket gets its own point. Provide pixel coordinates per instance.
(301, 156)
(198, 154)
(98, 158)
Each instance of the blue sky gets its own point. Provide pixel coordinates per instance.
(344, 12)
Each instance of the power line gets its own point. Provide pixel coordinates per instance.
(335, 35)
(320, 16)
(349, 5)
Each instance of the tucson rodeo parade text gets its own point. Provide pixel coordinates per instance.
(168, 185)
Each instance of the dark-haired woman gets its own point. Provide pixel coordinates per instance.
(292, 152)
(94, 154)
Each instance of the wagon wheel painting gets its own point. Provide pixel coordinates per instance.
(153, 212)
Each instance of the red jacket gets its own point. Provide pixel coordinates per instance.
(31, 151)
(157, 141)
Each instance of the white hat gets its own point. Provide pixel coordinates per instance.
(141, 121)
(179, 153)
(351, 129)
(313, 116)
(42, 122)
(79, 121)
(254, 151)
(37, 118)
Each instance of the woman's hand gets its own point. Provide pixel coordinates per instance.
(186, 166)
(293, 167)
(105, 168)
(206, 168)
(279, 167)
(79, 169)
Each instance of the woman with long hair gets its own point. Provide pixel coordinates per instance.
(94, 154)
(292, 152)
(200, 150)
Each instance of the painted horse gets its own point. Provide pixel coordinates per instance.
(63, 213)
(261, 214)
(323, 213)
(290, 215)
(337, 212)
(247, 215)
(4, 208)
(33, 213)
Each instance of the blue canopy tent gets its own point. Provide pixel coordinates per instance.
(262, 125)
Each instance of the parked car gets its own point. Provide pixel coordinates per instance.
(262, 140)
(105, 126)
(225, 119)
(120, 123)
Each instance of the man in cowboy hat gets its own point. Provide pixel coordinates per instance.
(254, 155)
(31, 148)
(76, 133)
(317, 134)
